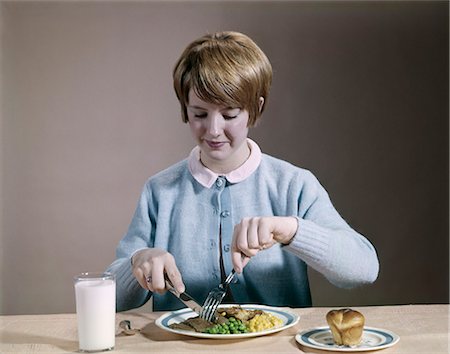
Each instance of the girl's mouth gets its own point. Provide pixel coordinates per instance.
(215, 144)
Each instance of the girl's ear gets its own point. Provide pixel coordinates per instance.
(261, 103)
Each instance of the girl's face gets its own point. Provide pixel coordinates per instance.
(220, 132)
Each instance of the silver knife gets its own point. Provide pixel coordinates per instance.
(184, 297)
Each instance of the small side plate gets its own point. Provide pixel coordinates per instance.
(372, 339)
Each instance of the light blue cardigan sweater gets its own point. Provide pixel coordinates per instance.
(176, 213)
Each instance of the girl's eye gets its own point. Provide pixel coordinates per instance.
(228, 117)
(231, 114)
(200, 115)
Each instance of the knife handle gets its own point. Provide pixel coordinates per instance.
(185, 298)
(170, 287)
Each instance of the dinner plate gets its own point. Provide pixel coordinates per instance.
(289, 319)
(322, 338)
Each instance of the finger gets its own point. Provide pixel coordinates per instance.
(149, 280)
(252, 234)
(265, 236)
(242, 238)
(245, 261)
(236, 259)
(175, 278)
(239, 241)
(239, 261)
(141, 278)
(157, 276)
(239, 246)
(236, 254)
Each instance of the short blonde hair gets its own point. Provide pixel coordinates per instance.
(225, 68)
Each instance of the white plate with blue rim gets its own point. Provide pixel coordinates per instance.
(288, 319)
(322, 338)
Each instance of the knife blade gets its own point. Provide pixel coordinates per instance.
(184, 297)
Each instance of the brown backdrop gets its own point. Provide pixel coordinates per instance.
(360, 97)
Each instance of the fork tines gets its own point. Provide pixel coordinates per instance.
(214, 299)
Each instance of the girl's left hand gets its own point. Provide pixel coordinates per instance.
(254, 234)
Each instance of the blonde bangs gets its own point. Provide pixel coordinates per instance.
(219, 82)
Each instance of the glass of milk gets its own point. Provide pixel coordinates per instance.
(95, 295)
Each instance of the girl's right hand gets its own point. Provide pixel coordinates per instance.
(150, 265)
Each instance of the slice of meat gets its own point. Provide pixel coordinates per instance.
(199, 324)
(183, 326)
(239, 313)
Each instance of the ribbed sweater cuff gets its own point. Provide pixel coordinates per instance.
(124, 274)
(311, 243)
(130, 293)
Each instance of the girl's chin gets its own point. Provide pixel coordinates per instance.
(215, 155)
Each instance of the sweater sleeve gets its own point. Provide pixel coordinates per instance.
(328, 244)
(129, 294)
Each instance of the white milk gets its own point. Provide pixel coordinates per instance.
(96, 313)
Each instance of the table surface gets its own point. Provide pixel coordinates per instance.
(422, 329)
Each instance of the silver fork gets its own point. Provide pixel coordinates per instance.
(214, 299)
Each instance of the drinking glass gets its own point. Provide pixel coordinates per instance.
(95, 295)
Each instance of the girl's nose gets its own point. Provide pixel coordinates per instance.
(215, 125)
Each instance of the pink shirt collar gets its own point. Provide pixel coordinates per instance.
(206, 177)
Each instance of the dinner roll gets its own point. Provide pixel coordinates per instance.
(346, 326)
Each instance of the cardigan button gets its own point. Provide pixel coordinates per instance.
(219, 182)
(225, 214)
(226, 248)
